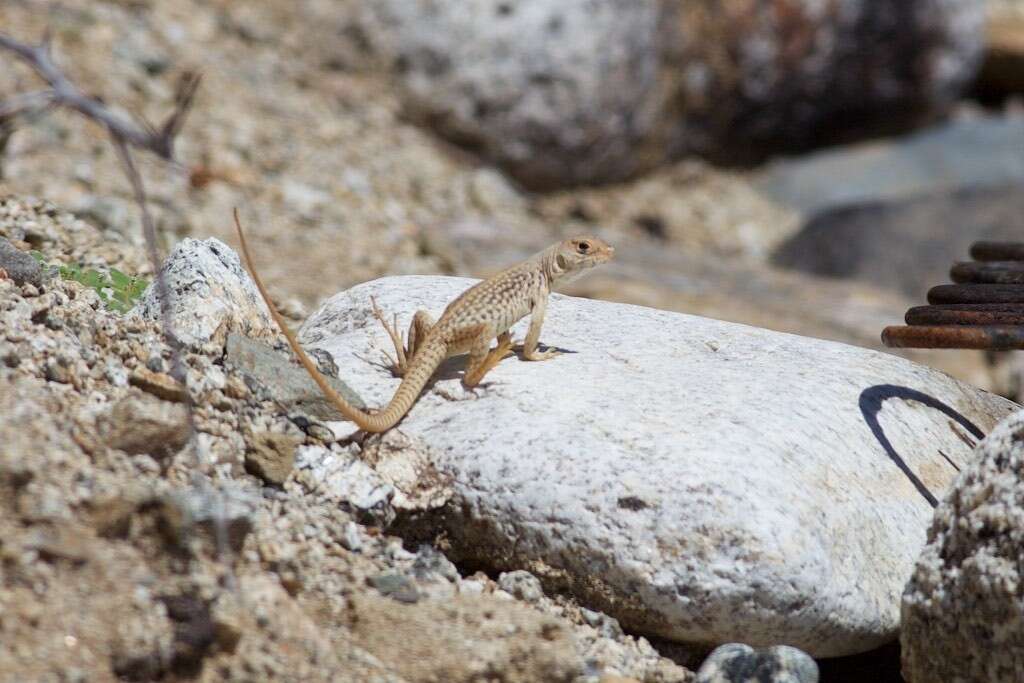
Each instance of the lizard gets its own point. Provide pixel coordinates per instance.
(483, 312)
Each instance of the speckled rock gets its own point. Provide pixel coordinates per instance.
(558, 93)
(697, 480)
(737, 663)
(212, 295)
(963, 613)
(18, 265)
(561, 93)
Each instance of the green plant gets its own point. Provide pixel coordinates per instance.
(117, 291)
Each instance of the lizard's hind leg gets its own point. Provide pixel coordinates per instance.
(404, 351)
(483, 359)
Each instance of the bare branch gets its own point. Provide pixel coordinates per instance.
(64, 93)
(26, 102)
(125, 134)
(163, 292)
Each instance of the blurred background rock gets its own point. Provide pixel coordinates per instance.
(805, 165)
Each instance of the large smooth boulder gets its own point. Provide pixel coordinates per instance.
(701, 481)
(581, 91)
(963, 612)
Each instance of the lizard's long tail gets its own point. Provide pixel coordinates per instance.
(410, 388)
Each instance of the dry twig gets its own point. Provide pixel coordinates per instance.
(125, 134)
(63, 93)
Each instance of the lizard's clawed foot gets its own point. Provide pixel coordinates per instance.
(540, 355)
(400, 364)
(391, 364)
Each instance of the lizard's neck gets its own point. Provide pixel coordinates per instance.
(555, 273)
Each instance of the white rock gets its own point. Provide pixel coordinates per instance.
(963, 613)
(211, 295)
(698, 480)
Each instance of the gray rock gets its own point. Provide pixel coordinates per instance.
(962, 155)
(19, 265)
(224, 513)
(286, 382)
(347, 481)
(697, 480)
(396, 587)
(581, 91)
(557, 93)
(737, 663)
(963, 612)
(521, 584)
(604, 624)
(870, 242)
(211, 295)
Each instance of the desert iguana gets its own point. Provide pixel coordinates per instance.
(484, 311)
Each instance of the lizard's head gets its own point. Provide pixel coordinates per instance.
(571, 257)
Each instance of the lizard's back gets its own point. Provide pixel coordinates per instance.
(500, 301)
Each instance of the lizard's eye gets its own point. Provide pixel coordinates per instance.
(583, 247)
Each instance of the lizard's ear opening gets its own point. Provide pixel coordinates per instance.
(560, 261)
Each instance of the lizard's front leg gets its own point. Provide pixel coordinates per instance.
(530, 351)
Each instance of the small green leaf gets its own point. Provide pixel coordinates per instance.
(38, 256)
(93, 278)
(119, 279)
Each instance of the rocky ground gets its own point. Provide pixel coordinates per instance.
(216, 554)
(132, 550)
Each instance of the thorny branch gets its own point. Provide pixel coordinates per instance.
(124, 134)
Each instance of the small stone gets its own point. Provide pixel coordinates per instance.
(115, 373)
(58, 370)
(396, 587)
(227, 631)
(236, 388)
(159, 384)
(738, 663)
(271, 457)
(19, 266)
(140, 423)
(350, 538)
(156, 363)
(61, 542)
(112, 517)
(431, 563)
(607, 626)
(225, 513)
(349, 481)
(521, 584)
